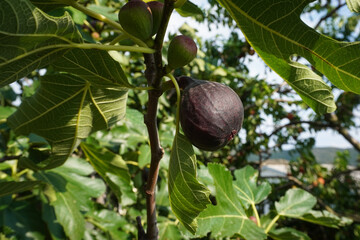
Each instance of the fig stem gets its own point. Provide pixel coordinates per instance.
(143, 88)
(256, 214)
(177, 101)
(272, 223)
(108, 47)
(106, 20)
(118, 39)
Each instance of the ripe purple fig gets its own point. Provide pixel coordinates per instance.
(157, 12)
(182, 50)
(136, 19)
(211, 114)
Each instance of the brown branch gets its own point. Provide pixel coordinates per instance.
(335, 124)
(157, 153)
(141, 232)
(332, 122)
(154, 73)
(319, 124)
(332, 12)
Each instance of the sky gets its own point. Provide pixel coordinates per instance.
(256, 67)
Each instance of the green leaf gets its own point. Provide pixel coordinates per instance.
(7, 188)
(70, 192)
(353, 5)
(168, 230)
(246, 186)
(77, 182)
(228, 216)
(55, 229)
(323, 218)
(190, 9)
(66, 109)
(275, 31)
(110, 222)
(104, 10)
(144, 156)
(187, 196)
(65, 205)
(5, 112)
(295, 203)
(31, 39)
(24, 218)
(96, 66)
(113, 169)
(288, 234)
(162, 194)
(47, 5)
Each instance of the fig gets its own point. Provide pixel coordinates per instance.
(157, 12)
(182, 50)
(211, 113)
(136, 19)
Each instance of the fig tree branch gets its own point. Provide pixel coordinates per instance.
(332, 122)
(329, 14)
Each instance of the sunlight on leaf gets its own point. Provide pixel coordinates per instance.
(31, 39)
(275, 31)
(65, 110)
(227, 217)
(295, 203)
(96, 66)
(246, 186)
(187, 196)
(353, 5)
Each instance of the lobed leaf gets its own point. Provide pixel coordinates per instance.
(227, 217)
(31, 39)
(187, 196)
(275, 31)
(246, 186)
(113, 169)
(65, 110)
(96, 66)
(295, 203)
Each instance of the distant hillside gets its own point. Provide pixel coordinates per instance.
(323, 155)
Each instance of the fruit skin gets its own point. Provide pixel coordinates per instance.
(157, 9)
(136, 19)
(182, 50)
(253, 218)
(211, 114)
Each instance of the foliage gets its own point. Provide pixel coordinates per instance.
(77, 158)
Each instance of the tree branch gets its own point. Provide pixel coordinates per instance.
(334, 122)
(332, 12)
(154, 73)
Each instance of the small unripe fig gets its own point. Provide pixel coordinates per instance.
(136, 19)
(182, 50)
(157, 12)
(211, 114)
